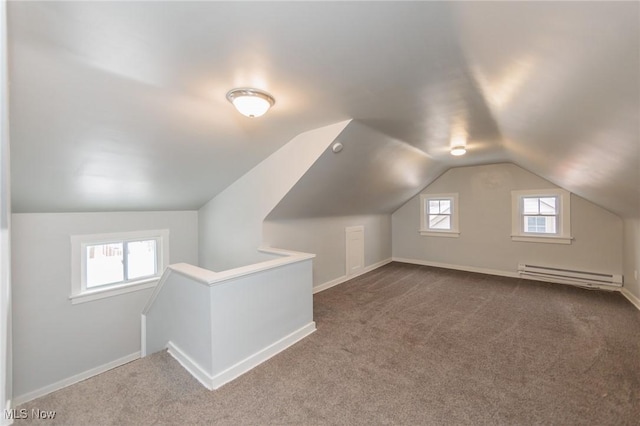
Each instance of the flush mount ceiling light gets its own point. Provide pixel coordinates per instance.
(251, 102)
(458, 150)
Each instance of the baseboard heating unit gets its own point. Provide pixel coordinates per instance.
(569, 276)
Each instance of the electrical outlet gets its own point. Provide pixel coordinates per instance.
(635, 274)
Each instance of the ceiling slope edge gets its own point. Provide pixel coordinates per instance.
(372, 174)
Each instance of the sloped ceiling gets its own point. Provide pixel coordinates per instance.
(562, 82)
(121, 105)
(373, 173)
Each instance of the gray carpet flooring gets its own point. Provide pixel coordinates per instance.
(410, 345)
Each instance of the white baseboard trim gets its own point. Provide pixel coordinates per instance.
(345, 278)
(190, 365)
(631, 297)
(261, 356)
(29, 396)
(500, 273)
(459, 267)
(249, 363)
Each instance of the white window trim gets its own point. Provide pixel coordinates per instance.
(454, 232)
(564, 217)
(79, 292)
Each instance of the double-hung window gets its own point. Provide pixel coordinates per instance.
(541, 216)
(439, 215)
(109, 264)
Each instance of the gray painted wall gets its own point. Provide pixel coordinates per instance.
(485, 226)
(325, 237)
(632, 255)
(53, 339)
(5, 225)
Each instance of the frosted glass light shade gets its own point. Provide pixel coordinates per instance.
(458, 150)
(251, 102)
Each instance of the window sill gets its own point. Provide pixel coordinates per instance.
(541, 239)
(102, 293)
(447, 234)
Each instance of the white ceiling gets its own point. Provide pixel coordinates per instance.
(121, 105)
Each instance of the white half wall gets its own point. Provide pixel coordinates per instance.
(325, 237)
(484, 194)
(221, 325)
(230, 225)
(55, 340)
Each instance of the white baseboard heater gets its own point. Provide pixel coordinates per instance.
(569, 276)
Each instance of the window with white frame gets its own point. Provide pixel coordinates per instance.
(105, 265)
(439, 215)
(541, 216)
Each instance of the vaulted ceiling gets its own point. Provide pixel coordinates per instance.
(121, 105)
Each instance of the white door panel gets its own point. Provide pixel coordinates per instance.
(355, 249)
